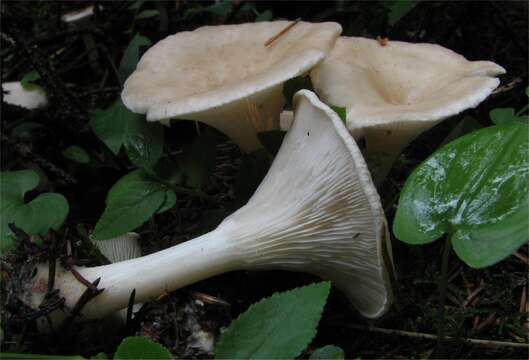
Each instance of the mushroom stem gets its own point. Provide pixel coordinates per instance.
(150, 275)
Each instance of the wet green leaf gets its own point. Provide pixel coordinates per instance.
(502, 115)
(328, 352)
(278, 327)
(475, 190)
(117, 126)
(46, 211)
(139, 347)
(131, 202)
(77, 154)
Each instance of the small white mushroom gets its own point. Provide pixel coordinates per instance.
(316, 211)
(15, 94)
(394, 91)
(226, 76)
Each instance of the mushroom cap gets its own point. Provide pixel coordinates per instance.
(15, 94)
(209, 67)
(401, 82)
(318, 211)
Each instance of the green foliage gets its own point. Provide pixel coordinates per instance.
(46, 211)
(146, 14)
(130, 202)
(28, 79)
(475, 189)
(341, 111)
(221, 8)
(139, 347)
(77, 154)
(266, 15)
(328, 352)
(131, 56)
(117, 126)
(398, 9)
(278, 327)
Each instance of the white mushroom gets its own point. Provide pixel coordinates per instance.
(316, 211)
(395, 91)
(226, 76)
(120, 248)
(15, 94)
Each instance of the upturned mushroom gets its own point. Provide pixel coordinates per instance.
(394, 91)
(225, 75)
(316, 211)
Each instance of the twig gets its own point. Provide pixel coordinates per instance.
(82, 280)
(87, 295)
(281, 33)
(418, 335)
(470, 298)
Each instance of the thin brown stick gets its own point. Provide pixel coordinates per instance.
(281, 33)
(82, 280)
(411, 334)
(472, 296)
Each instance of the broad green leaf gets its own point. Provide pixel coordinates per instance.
(131, 56)
(475, 189)
(146, 14)
(77, 154)
(278, 327)
(130, 202)
(136, 5)
(341, 111)
(502, 115)
(46, 211)
(28, 79)
(139, 347)
(398, 9)
(266, 15)
(169, 201)
(117, 126)
(271, 140)
(328, 352)
(463, 127)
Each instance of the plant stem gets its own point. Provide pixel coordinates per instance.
(442, 296)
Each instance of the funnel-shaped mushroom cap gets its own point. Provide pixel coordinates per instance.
(393, 92)
(222, 75)
(317, 211)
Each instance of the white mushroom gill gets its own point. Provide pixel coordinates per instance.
(316, 211)
(217, 74)
(394, 92)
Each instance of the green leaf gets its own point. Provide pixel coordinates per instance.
(28, 79)
(24, 130)
(46, 211)
(221, 8)
(293, 85)
(328, 352)
(130, 202)
(169, 201)
(398, 9)
(341, 111)
(77, 154)
(117, 126)
(502, 115)
(278, 327)
(266, 15)
(131, 56)
(475, 190)
(100, 356)
(463, 127)
(146, 14)
(139, 347)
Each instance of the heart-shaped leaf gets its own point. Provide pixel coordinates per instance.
(140, 347)
(130, 202)
(46, 211)
(475, 190)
